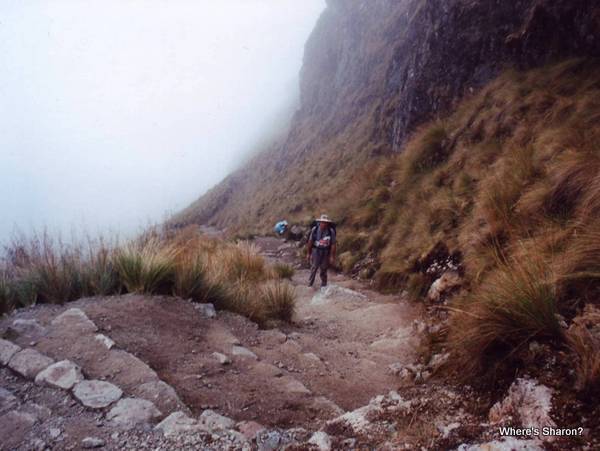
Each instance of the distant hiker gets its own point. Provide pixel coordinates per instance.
(321, 249)
(281, 227)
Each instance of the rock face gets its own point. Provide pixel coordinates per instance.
(96, 394)
(375, 69)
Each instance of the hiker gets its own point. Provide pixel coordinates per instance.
(281, 227)
(321, 249)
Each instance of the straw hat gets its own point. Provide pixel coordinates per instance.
(324, 218)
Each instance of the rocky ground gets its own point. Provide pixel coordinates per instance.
(136, 372)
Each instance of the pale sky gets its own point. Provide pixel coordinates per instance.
(114, 113)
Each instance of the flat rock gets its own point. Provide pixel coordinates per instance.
(206, 310)
(97, 394)
(179, 423)
(64, 374)
(7, 350)
(74, 318)
(133, 411)
(8, 401)
(221, 358)
(292, 385)
(92, 442)
(214, 421)
(106, 341)
(28, 363)
(26, 328)
(240, 351)
(332, 293)
(160, 393)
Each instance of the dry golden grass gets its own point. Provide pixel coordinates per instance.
(514, 304)
(184, 263)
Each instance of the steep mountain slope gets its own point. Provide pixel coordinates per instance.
(373, 71)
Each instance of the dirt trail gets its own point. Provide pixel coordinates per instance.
(334, 357)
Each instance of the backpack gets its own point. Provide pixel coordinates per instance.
(315, 224)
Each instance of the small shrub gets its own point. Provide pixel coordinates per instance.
(146, 267)
(283, 271)
(278, 300)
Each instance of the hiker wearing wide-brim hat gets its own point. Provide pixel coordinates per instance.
(321, 249)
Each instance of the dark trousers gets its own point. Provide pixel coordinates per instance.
(320, 261)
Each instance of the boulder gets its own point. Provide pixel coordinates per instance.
(133, 411)
(64, 374)
(294, 386)
(240, 351)
(321, 440)
(221, 358)
(92, 442)
(29, 328)
(179, 423)
(214, 421)
(206, 310)
(7, 350)
(106, 341)
(28, 363)
(163, 396)
(527, 403)
(96, 394)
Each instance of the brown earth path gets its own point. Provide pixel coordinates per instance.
(334, 357)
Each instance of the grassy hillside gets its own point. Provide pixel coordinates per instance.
(505, 191)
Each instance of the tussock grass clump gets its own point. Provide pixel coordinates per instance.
(278, 300)
(191, 278)
(283, 270)
(516, 303)
(242, 262)
(146, 267)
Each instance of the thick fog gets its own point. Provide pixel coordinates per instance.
(114, 113)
